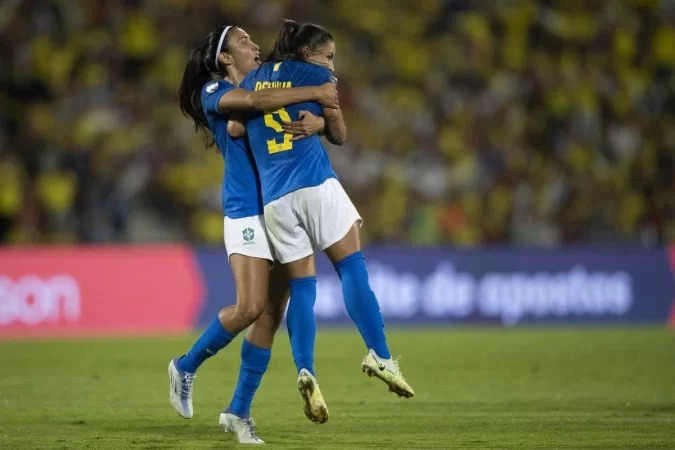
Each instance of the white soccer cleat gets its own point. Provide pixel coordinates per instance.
(243, 429)
(388, 371)
(180, 390)
(312, 401)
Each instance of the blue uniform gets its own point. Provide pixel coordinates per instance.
(241, 184)
(285, 165)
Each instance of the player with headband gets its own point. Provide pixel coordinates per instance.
(261, 294)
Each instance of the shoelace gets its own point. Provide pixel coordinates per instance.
(394, 363)
(250, 427)
(394, 368)
(186, 386)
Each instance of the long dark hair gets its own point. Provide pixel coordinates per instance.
(200, 66)
(294, 37)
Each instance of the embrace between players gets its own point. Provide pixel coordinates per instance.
(281, 201)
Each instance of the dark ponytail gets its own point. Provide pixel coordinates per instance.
(200, 66)
(293, 38)
(283, 45)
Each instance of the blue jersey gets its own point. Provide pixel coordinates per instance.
(241, 184)
(286, 165)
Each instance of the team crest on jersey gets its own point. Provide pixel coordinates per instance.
(211, 88)
(248, 234)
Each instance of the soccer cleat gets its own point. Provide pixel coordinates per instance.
(388, 371)
(312, 401)
(180, 390)
(243, 429)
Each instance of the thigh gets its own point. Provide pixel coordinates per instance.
(301, 268)
(278, 293)
(251, 279)
(349, 244)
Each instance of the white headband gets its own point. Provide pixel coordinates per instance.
(220, 42)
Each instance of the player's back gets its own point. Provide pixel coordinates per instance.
(286, 165)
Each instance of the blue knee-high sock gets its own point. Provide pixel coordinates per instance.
(212, 339)
(361, 303)
(301, 322)
(254, 361)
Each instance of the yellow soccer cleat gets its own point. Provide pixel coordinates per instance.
(388, 371)
(312, 400)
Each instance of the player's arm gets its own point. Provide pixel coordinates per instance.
(269, 99)
(336, 130)
(235, 125)
(306, 125)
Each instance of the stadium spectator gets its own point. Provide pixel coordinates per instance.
(471, 122)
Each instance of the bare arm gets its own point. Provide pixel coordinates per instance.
(235, 125)
(270, 99)
(336, 130)
(306, 125)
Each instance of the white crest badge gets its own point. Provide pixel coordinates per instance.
(211, 88)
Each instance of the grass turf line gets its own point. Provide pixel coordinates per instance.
(481, 388)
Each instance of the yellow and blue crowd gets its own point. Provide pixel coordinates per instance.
(470, 122)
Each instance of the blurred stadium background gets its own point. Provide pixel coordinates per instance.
(514, 163)
(471, 122)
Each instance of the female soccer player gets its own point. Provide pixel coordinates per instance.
(307, 208)
(230, 53)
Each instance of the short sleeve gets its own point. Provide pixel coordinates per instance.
(211, 94)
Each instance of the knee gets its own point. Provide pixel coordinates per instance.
(250, 310)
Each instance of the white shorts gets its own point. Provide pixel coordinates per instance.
(247, 236)
(308, 220)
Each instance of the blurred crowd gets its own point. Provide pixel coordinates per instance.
(470, 122)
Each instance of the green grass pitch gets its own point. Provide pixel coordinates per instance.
(476, 387)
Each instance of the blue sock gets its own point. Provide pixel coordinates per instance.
(301, 322)
(254, 361)
(361, 303)
(212, 339)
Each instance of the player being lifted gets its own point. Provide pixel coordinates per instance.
(230, 53)
(306, 208)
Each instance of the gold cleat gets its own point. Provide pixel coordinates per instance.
(312, 401)
(388, 371)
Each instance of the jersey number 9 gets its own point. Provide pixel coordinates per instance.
(286, 140)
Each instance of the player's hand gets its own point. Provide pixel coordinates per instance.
(307, 125)
(327, 95)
